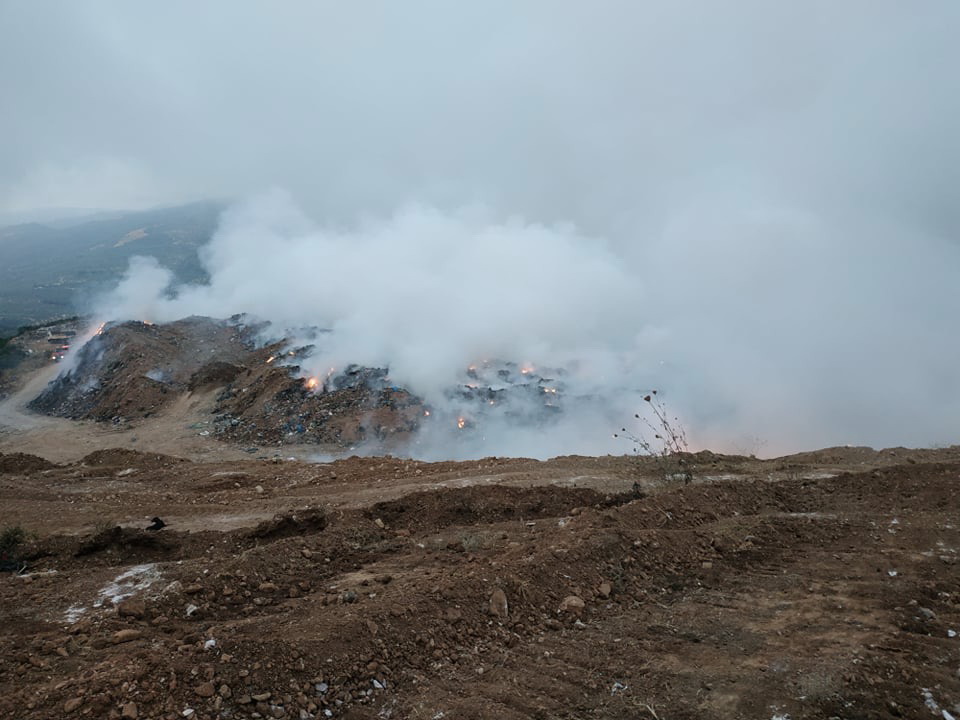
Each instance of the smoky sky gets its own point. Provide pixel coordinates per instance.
(773, 185)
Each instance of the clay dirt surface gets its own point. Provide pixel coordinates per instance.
(822, 585)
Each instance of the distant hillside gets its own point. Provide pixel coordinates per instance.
(46, 270)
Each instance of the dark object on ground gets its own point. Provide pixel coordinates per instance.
(12, 565)
(157, 525)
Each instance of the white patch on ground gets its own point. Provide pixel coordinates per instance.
(74, 613)
(126, 584)
(934, 707)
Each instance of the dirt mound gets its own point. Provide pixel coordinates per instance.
(435, 509)
(136, 545)
(23, 463)
(132, 370)
(215, 373)
(121, 457)
(302, 523)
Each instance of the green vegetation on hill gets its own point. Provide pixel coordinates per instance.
(48, 271)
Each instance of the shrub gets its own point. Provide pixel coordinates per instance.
(668, 445)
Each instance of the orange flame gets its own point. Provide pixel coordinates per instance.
(461, 422)
(312, 383)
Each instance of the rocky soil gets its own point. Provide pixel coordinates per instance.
(817, 586)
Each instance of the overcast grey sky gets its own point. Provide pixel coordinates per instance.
(603, 113)
(767, 191)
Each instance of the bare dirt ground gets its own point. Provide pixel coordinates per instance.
(821, 585)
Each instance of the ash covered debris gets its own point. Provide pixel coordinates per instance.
(521, 394)
(133, 369)
(274, 405)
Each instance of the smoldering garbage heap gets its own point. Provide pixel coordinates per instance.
(130, 371)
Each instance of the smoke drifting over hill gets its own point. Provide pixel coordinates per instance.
(759, 338)
(752, 207)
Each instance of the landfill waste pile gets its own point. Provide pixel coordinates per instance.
(127, 372)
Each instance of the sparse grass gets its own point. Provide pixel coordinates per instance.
(817, 685)
(103, 526)
(668, 446)
(473, 541)
(11, 538)
(361, 538)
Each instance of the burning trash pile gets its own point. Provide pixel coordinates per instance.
(130, 371)
(274, 405)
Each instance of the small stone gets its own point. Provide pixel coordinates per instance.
(706, 565)
(225, 691)
(573, 605)
(259, 489)
(132, 608)
(605, 589)
(262, 697)
(72, 704)
(379, 523)
(926, 613)
(267, 587)
(307, 553)
(122, 636)
(129, 711)
(193, 589)
(498, 603)
(204, 690)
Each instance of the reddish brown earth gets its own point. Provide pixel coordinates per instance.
(820, 585)
(816, 586)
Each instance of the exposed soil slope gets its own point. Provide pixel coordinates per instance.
(815, 586)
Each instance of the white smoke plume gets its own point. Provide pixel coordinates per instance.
(743, 315)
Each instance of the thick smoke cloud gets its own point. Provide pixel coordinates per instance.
(746, 315)
(753, 206)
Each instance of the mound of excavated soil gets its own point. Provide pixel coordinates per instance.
(132, 370)
(121, 457)
(23, 463)
(477, 505)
